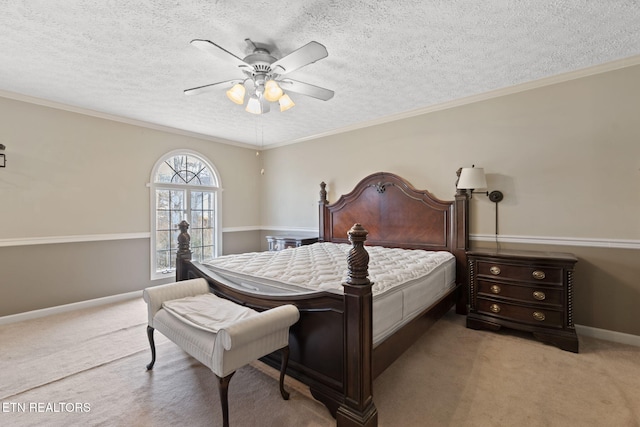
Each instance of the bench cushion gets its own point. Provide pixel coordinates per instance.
(208, 311)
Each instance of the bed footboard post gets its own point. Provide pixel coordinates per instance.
(184, 251)
(358, 408)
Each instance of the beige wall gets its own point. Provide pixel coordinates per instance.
(566, 156)
(70, 176)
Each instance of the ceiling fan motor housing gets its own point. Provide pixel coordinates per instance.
(260, 60)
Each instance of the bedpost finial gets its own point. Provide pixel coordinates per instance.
(358, 258)
(323, 192)
(357, 233)
(184, 239)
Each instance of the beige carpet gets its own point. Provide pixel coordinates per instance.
(87, 368)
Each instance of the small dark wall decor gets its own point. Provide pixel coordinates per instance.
(3, 159)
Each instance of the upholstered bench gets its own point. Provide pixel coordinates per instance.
(220, 334)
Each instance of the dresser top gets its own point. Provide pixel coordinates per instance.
(292, 237)
(512, 253)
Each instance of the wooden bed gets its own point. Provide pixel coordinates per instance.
(331, 346)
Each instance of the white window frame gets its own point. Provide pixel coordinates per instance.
(154, 186)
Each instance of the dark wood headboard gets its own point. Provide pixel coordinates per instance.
(397, 215)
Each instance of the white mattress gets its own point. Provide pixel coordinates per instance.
(405, 281)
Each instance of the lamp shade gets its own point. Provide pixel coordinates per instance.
(285, 102)
(254, 106)
(272, 92)
(472, 178)
(236, 94)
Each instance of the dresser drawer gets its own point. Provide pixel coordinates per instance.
(546, 275)
(527, 294)
(518, 313)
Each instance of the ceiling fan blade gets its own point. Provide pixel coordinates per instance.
(307, 54)
(206, 88)
(219, 52)
(306, 89)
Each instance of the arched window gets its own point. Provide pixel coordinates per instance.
(184, 186)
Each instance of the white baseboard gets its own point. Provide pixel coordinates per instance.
(34, 314)
(606, 335)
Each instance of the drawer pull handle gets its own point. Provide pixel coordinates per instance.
(539, 316)
(495, 270)
(539, 295)
(495, 289)
(539, 275)
(495, 308)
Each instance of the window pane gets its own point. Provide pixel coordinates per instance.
(202, 224)
(163, 240)
(196, 220)
(176, 199)
(176, 218)
(206, 219)
(207, 239)
(170, 211)
(162, 260)
(163, 220)
(172, 258)
(196, 254)
(196, 237)
(207, 252)
(207, 202)
(162, 199)
(165, 173)
(196, 200)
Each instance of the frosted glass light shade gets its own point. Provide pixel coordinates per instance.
(472, 178)
(285, 102)
(272, 92)
(236, 94)
(253, 106)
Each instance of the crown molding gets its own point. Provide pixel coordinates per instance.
(546, 81)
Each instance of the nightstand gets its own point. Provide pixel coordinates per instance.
(278, 243)
(525, 290)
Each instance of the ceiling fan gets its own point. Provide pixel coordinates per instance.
(264, 76)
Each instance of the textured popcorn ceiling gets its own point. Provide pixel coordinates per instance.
(132, 59)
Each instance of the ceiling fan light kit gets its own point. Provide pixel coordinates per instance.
(263, 73)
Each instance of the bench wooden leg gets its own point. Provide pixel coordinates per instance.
(223, 387)
(283, 370)
(153, 347)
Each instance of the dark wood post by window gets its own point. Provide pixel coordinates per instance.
(358, 408)
(322, 204)
(184, 251)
